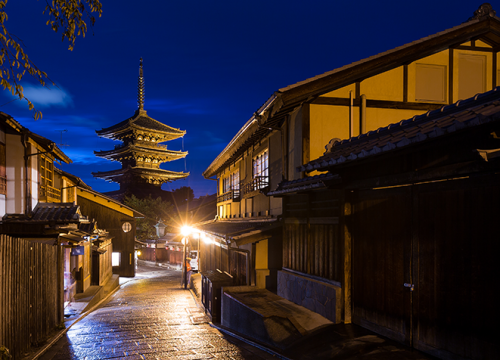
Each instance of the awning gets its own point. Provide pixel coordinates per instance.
(242, 232)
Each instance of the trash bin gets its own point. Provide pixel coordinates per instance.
(211, 283)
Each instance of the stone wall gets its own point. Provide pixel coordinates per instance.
(321, 297)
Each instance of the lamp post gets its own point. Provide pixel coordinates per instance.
(185, 231)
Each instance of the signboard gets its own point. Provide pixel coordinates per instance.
(78, 250)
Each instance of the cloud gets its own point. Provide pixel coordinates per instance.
(170, 106)
(44, 97)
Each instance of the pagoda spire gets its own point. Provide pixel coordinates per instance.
(140, 88)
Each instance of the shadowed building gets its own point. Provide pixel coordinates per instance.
(141, 153)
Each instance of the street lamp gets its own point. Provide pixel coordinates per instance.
(160, 229)
(185, 231)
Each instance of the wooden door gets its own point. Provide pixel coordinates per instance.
(456, 268)
(381, 252)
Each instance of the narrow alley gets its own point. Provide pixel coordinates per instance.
(149, 317)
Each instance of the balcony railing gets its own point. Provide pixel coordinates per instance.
(3, 185)
(259, 182)
(229, 195)
(49, 193)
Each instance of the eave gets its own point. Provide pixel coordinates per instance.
(286, 99)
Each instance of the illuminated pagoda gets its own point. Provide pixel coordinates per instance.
(141, 152)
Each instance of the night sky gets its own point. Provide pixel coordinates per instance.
(208, 66)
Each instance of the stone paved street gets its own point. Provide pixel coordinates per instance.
(150, 317)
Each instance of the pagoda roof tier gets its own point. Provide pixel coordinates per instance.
(134, 150)
(141, 123)
(152, 176)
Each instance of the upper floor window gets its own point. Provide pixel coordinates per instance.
(471, 75)
(430, 83)
(48, 193)
(46, 171)
(232, 182)
(260, 174)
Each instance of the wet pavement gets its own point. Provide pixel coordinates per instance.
(150, 317)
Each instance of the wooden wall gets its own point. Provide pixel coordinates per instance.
(443, 238)
(311, 236)
(31, 293)
(112, 221)
(231, 261)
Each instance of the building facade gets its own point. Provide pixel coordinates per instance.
(266, 172)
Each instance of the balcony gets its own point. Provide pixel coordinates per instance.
(49, 194)
(229, 195)
(259, 182)
(3, 185)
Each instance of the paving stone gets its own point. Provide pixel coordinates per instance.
(149, 318)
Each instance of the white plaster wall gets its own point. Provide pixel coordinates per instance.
(15, 175)
(34, 183)
(3, 206)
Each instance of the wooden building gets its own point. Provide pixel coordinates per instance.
(412, 254)
(300, 121)
(141, 153)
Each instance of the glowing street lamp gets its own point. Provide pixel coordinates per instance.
(185, 231)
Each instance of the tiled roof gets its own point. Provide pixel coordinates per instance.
(143, 121)
(236, 230)
(304, 184)
(481, 109)
(160, 173)
(59, 212)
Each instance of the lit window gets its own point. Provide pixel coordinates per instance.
(260, 165)
(115, 259)
(232, 182)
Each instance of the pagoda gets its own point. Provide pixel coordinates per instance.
(141, 152)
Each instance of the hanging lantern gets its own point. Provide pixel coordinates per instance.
(160, 228)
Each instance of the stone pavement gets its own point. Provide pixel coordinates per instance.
(150, 317)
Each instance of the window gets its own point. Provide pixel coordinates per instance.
(235, 180)
(46, 171)
(260, 165)
(47, 190)
(430, 83)
(471, 75)
(232, 182)
(115, 259)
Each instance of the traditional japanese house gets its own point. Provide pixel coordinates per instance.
(141, 152)
(26, 168)
(412, 254)
(296, 122)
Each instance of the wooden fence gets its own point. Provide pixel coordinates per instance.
(31, 293)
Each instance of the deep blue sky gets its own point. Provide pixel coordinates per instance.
(208, 65)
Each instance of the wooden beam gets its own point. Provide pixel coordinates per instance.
(450, 77)
(381, 104)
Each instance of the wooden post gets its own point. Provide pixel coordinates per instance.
(347, 260)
